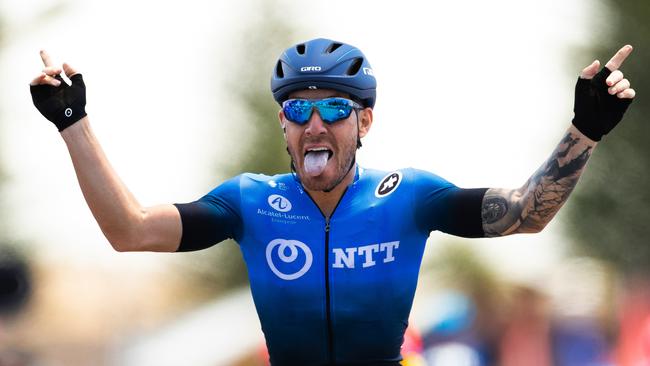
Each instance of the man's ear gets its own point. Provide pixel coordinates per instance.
(282, 123)
(365, 121)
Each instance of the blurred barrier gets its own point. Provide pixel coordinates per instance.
(217, 333)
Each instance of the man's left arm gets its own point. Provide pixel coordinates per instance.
(600, 102)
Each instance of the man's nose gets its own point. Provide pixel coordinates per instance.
(315, 125)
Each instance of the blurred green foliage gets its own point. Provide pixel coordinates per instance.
(263, 149)
(9, 33)
(15, 256)
(609, 212)
(459, 266)
(260, 46)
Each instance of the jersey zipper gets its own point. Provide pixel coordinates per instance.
(328, 311)
(328, 305)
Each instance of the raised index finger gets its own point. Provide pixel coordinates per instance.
(615, 62)
(47, 61)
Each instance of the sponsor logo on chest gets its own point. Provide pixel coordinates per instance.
(281, 210)
(367, 255)
(291, 259)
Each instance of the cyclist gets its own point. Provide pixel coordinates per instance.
(332, 249)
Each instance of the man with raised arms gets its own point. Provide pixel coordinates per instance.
(332, 249)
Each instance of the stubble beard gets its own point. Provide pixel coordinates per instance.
(319, 183)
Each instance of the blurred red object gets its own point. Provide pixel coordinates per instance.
(412, 348)
(634, 336)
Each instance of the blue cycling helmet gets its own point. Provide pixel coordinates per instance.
(324, 64)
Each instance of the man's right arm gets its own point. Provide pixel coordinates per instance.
(126, 224)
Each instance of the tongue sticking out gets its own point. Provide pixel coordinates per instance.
(315, 162)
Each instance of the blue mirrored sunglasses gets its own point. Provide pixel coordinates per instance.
(330, 109)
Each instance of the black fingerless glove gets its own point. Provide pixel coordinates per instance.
(596, 111)
(63, 105)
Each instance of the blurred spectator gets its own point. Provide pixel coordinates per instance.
(579, 342)
(526, 337)
(14, 293)
(453, 337)
(634, 335)
(14, 282)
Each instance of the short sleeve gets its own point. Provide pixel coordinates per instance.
(211, 219)
(440, 205)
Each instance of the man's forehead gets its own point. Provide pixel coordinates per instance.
(317, 94)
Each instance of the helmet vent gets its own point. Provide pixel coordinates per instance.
(355, 66)
(278, 70)
(300, 49)
(333, 47)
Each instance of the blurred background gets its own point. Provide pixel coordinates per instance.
(178, 93)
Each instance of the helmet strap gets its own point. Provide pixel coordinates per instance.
(358, 137)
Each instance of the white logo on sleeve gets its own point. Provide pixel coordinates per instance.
(68, 112)
(293, 247)
(279, 203)
(389, 184)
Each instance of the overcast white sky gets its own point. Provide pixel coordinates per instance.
(477, 92)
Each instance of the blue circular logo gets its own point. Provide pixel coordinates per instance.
(279, 203)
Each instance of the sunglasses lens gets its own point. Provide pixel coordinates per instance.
(330, 110)
(334, 109)
(298, 110)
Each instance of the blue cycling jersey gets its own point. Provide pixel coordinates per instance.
(339, 289)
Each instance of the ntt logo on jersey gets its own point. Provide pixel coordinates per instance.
(368, 254)
(290, 255)
(279, 203)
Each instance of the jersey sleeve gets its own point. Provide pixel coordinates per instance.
(440, 205)
(211, 219)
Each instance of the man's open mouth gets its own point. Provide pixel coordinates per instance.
(316, 159)
(320, 150)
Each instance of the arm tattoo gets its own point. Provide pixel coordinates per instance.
(494, 208)
(529, 208)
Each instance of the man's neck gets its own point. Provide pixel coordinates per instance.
(327, 201)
